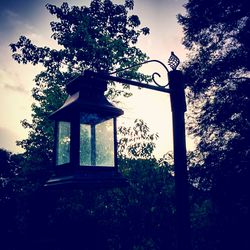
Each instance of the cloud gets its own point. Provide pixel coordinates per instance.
(9, 14)
(8, 140)
(12, 23)
(11, 82)
(10, 18)
(17, 88)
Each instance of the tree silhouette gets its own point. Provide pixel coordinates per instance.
(100, 37)
(217, 36)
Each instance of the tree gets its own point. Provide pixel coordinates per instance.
(10, 165)
(100, 37)
(217, 35)
(136, 142)
(140, 216)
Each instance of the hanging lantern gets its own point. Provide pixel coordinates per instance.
(85, 152)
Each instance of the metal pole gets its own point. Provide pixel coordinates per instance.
(93, 145)
(178, 106)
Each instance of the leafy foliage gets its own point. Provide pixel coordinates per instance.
(217, 35)
(9, 169)
(100, 37)
(136, 142)
(140, 216)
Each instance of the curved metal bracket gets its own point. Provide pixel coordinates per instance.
(173, 62)
(152, 76)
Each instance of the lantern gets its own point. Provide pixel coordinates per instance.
(85, 152)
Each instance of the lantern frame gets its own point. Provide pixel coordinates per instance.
(86, 96)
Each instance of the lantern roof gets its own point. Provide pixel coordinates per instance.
(86, 94)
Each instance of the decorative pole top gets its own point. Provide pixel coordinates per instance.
(173, 61)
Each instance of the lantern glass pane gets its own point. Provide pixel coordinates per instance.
(105, 143)
(96, 141)
(63, 143)
(85, 146)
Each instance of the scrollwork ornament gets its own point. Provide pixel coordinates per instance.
(152, 76)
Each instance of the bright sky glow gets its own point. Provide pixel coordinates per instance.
(30, 18)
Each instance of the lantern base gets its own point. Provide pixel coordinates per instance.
(87, 181)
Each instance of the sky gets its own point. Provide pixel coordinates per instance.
(30, 18)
